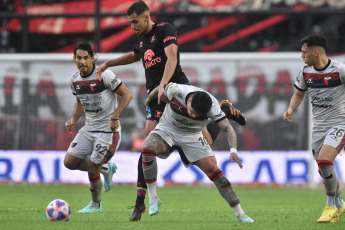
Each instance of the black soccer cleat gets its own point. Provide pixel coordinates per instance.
(232, 113)
(137, 211)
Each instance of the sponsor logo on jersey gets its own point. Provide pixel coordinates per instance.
(309, 81)
(78, 87)
(153, 38)
(168, 39)
(149, 59)
(141, 44)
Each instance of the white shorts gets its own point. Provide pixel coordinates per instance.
(191, 146)
(334, 137)
(90, 145)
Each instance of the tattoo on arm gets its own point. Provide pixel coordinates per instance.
(229, 131)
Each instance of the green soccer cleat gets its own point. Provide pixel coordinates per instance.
(327, 214)
(245, 219)
(108, 180)
(153, 210)
(89, 208)
(340, 212)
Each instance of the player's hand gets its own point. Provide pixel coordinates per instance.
(69, 125)
(234, 157)
(114, 125)
(287, 114)
(99, 70)
(162, 95)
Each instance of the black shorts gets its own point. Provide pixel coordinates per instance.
(155, 111)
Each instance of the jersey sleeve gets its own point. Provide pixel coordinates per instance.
(300, 83)
(169, 35)
(171, 89)
(110, 80)
(216, 114)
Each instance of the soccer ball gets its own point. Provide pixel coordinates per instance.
(58, 210)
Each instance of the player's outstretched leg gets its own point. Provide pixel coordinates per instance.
(232, 113)
(108, 179)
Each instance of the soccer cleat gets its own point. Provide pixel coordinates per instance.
(108, 180)
(153, 209)
(245, 219)
(89, 208)
(340, 212)
(232, 113)
(327, 214)
(136, 212)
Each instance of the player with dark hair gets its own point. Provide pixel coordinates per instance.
(98, 139)
(324, 79)
(157, 47)
(180, 128)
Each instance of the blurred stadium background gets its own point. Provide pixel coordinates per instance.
(243, 50)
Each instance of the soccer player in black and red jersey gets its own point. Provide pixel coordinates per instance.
(157, 47)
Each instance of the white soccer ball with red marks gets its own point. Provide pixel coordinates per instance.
(58, 210)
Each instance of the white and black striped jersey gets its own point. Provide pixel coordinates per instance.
(327, 92)
(97, 97)
(175, 113)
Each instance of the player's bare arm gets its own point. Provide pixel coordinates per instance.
(126, 97)
(226, 127)
(170, 66)
(77, 112)
(156, 143)
(295, 101)
(122, 60)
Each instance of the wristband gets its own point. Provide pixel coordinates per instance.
(114, 119)
(233, 150)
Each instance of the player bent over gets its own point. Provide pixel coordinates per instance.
(97, 140)
(325, 81)
(180, 128)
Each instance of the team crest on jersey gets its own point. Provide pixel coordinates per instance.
(92, 87)
(326, 80)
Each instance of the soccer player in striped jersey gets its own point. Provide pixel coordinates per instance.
(98, 139)
(324, 79)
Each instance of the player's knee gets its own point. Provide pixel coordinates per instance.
(70, 164)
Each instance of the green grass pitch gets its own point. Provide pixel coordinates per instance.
(183, 207)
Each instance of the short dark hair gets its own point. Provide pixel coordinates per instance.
(138, 8)
(84, 46)
(201, 102)
(315, 40)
